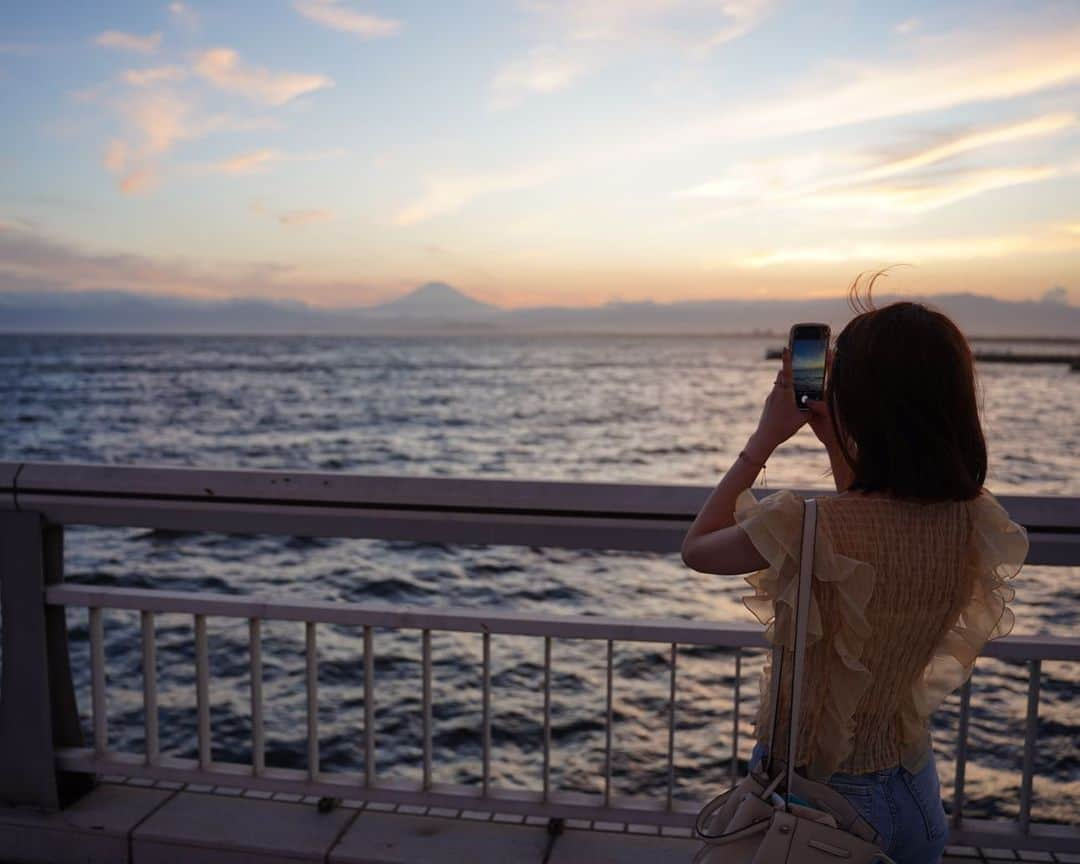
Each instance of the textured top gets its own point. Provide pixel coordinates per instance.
(905, 596)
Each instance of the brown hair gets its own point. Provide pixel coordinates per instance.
(902, 398)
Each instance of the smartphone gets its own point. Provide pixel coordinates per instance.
(808, 344)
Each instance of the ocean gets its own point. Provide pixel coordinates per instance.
(664, 409)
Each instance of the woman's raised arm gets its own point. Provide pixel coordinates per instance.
(714, 543)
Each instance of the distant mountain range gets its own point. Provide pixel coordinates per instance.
(437, 306)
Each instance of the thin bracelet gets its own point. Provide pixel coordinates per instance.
(760, 466)
(744, 455)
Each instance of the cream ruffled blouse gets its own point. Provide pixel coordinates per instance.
(905, 596)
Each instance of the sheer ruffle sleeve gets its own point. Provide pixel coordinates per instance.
(774, 526)
(998, 547)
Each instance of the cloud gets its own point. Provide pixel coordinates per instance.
(742, 17)
(160, 119)
(445, 195)
(908, 26)
(247, 163)
(222, 68)
(259, 160)
(1038, 127)
(587, 31)
(831, 179)
(155, 122)
(184, 14)
(154, 75)
(157, 116)
(32, 259)
(943, 73)
(920, 196)
(306, 217)
(139, 179)
(542, 71)
(130, 41)
(116, 156)
(701, 24)
(967, 248)
(336, 16)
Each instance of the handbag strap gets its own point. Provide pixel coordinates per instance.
(802, 612)
(806, 569)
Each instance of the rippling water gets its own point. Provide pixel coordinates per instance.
(604, 408)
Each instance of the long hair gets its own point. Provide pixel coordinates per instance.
(902, 398)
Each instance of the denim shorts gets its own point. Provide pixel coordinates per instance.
(904, 808)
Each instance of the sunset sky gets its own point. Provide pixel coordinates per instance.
(564, 152)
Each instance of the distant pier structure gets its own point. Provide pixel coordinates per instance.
(1043, 358)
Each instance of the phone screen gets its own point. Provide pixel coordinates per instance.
(808, 345)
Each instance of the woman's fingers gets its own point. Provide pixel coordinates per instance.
(783, 377)
(817, 408)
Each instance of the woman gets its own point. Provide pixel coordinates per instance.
(910, 568)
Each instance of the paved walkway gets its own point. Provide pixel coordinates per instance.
(163, 823)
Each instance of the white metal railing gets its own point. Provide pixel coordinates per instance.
(467, 511)
(543, 800)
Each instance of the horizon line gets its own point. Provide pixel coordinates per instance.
(208, 301)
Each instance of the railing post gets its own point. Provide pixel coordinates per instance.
(37, 698)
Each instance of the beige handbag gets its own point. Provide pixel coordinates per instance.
(750, 824)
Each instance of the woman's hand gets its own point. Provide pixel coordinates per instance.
(821, 422)
(820, 419)
(781, 417)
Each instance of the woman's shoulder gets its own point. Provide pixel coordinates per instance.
(1000, 544)
(997, 545)
(983, 506)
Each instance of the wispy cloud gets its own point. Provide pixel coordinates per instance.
(141, 178)
(154, 122)
(158, 111)
(116, 156)
(247, 163)
(33, 261)
(338, 16)
(183, 13)
(129, 41)
(976, 139)
(30, 259)
(160, 119)
(942, 73)
(899, 182)
(919, 196)
(907, 26)
(968, 248)
(700, 24)
(154, 75)
(542, 71)
(448, 194)
(582, 33)
(259, 160)
(299, 218)
(223, 68)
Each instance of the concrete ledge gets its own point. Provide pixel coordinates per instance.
(603, 847)
(94, 830)
(387, 838)
(128, 823)
(219, 829)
